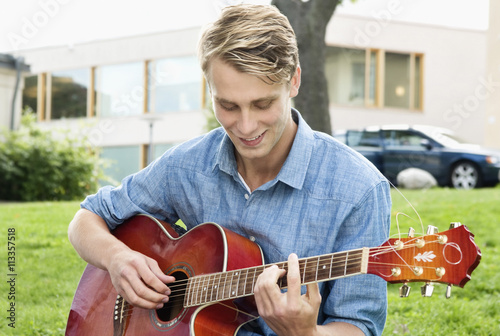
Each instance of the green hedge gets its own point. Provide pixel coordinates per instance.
(38, 165)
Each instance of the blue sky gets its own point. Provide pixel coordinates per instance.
(38, 23)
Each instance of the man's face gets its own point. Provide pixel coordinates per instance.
(255, 115)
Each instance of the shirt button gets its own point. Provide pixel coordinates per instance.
(247, 196)
(252, 238)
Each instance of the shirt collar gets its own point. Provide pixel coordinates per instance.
(294, 169)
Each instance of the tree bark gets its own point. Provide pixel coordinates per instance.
(309, 20)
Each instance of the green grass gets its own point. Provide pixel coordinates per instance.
(474, 309)
(48, 269)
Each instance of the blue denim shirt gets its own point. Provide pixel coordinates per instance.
(326, 198)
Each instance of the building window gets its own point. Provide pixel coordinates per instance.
(119, 90)
(174, 85)
(345, 71)
(68, 93)
(30, 93)
(124, 160)
(402, 80)
(159, 149)
(374, 78)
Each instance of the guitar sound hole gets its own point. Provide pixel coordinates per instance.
(176, 300)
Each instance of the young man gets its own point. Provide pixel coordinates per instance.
(265, 175)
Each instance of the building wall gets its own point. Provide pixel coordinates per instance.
(453, 82)
(130, 130)
(122, 50)
(454, 69)
(492, 118)
(7, 85)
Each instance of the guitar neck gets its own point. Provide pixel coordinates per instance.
(216, 287)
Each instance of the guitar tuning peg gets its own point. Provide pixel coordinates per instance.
(448, 291)
(455, 225)
(404, 291)
(411, 232)
(427, 289)
(431, 229)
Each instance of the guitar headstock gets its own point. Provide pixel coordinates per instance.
(446, 257)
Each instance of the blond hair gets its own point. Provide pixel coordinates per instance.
(255, 39)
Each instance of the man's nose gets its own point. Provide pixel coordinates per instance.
(247, 123)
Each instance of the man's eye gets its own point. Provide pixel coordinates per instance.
(228, 108)
(264, 106)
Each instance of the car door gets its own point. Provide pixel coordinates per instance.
(409, 149)
(369, 144)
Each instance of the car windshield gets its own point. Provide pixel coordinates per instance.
(444, 137)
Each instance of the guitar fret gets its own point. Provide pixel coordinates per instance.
(339, 269)
(224, 287)
(331, 266)
(212, 285)
(304, 273)
(199, 291)
(218, 288)
(238, 283)
(188, 293)
(346, 258)
(206, 282)
(234, 284)
(246, 283)
(253, 279)
(195, 291)
(323, 270)
(192, 291)
(317, 270)
(282, 281)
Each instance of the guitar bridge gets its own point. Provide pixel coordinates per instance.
(119, 316)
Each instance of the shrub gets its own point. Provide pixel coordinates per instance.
(38, 165)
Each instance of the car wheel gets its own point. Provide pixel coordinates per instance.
(465, 175)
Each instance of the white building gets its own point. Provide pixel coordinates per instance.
(11, 85)
(380, 71)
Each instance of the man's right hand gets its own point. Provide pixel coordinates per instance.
(139, 279)
(135, 276)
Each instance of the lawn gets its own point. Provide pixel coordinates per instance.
(47, 268)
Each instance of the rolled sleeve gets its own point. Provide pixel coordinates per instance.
(362, 300)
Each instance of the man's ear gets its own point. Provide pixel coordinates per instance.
(295, 83)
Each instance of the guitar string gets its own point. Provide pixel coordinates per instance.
(401, 213)
(176, 298)
(325, 261)
(205, 283)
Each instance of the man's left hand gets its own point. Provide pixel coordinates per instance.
(287, 313)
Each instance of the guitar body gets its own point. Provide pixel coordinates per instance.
(216, 270)
(208, 248)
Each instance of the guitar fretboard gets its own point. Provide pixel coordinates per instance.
(215, 287)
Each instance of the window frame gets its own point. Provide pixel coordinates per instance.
(416, 79)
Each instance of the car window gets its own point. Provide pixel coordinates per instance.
(403, 139)
(363, 139)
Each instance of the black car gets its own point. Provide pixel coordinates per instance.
(436, 150)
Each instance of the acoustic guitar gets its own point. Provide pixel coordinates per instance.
(216, 269)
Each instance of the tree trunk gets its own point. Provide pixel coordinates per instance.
(309, 20)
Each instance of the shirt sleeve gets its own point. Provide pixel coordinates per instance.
(135, 195)
(361, 299)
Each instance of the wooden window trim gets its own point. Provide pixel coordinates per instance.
(41, 97)
(91, 94)
(146, 88)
